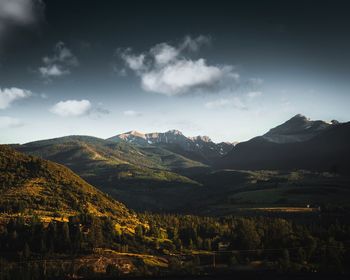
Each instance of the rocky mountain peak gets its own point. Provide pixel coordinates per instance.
(174, 131)
(299, 117)
(297, 129)
(201, 138)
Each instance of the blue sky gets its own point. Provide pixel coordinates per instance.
(230, 72)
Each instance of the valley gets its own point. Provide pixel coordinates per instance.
(158, 171)
(107, 208)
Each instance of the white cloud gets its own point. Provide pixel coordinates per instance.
(182, 75)
(9, 122)
(234, 102)
(164, 53)
(59, 63)
(73, 108)
(10, 95)
(167, 70)
(132, 113)
(134, 62)
(52, 71)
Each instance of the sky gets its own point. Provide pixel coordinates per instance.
(230, 70)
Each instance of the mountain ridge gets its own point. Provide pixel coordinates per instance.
(328, 150)
(199, 148)
(297, 129)
(123, 170)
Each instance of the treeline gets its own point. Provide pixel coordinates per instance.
(23, 239)
(279, 243)
(314, 246)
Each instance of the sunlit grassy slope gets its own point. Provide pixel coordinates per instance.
(35, 186)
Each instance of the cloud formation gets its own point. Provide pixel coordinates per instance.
(10, 95)
(19, 13)
(59, 63)
(168, 70)
(72, 108)
(183, 75)
(9, 122)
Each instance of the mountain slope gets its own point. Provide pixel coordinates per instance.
(199, 148)
(297, 129)
(327, 151)
(137, 176)
(69, 149)
(34, 185)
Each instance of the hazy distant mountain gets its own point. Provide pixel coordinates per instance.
(297, 129)
(316, 145)
(199, 148)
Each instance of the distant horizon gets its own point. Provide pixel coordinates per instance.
(164, 131)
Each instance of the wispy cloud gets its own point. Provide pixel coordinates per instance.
(10, 122)
(100, 109)
(241, 102)
(132, 61)
(59, 64)
(72, 108)
(10, 95)
(169, 70)
(132, 113)
(254, 94)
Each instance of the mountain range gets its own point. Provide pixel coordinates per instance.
(199, 148)
(171, 172)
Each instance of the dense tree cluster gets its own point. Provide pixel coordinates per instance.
(295, 246)
(23, 239)
(280, 243)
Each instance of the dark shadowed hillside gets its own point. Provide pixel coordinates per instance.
(329, 150)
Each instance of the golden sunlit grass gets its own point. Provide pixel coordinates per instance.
(33, 187)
